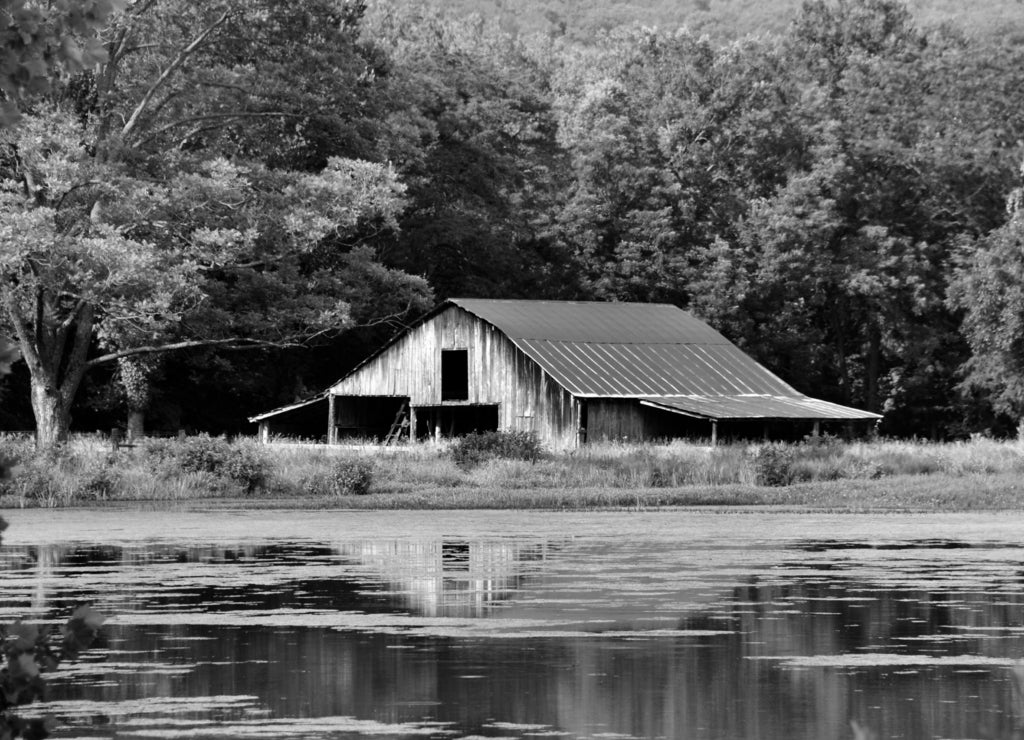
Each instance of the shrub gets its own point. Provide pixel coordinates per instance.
(14, 450)
(344, 478)
(774, 465)
(477, 447)
(100, 482)
(237, 462)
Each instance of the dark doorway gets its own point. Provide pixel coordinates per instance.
(454, 375)
(368, 417)
(455, 421)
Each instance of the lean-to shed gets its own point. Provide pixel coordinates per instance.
(569, 371)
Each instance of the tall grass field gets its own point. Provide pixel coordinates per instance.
(506, 470)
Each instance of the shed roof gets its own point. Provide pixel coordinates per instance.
(322, 395)
(755, 407)
(655, 352)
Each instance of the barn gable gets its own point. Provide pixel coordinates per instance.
(456, 372)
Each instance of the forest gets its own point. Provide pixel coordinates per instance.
(211, 209)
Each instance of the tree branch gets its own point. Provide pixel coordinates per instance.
(76, 366)
(24, 332)
(232, 343)
(133, 120)
(219, 117)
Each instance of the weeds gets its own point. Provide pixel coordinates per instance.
(503, 470)
(342, 478)
(479, 447)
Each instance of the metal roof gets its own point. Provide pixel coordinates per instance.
(638, 370)
(599, 322)
(756, 407)
(654, 352)
(657, 353)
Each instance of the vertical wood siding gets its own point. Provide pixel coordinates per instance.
(499, 373)
(610, 419)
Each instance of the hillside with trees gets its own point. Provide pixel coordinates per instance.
(721, 19)
(207, 211)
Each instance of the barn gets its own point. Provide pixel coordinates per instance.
(570, 371)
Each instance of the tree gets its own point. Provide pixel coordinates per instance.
(39, 41)
(473, 135)
(670, 137)
(988, 288)
(118, 245)
(838, 276)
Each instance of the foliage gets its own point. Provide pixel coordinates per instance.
(342, 478)
(29, 652)
(773, 465)
(242, 463)
(720, 19)
(138, 217)
(988, 287)
(396, 477)
(828, 193)
(38, 41)
(476, 447)
(473, 134)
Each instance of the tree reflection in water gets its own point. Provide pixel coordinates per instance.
(650, 638)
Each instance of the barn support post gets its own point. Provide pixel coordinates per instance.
(332, 428)
(816, 430)
(714, 433)
(412, 423)
(265, 432)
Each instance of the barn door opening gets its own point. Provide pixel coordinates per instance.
(454, 375)
(455, 421)
(369, 418)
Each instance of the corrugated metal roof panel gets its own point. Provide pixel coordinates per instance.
(593, 321)
(637, 370)
(756, 407)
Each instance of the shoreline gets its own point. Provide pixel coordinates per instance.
(934, 492)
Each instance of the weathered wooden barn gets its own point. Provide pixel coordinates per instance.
(569, 371)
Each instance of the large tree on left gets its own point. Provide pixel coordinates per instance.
(172, 198)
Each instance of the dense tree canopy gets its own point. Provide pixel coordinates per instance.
(200, 176)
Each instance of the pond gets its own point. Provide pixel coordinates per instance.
(676, 624)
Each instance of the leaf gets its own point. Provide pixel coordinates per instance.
(24, 666)
(81, 630)
(89, 617)
(26, 635)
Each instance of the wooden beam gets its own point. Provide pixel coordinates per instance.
(412, 423)
(332, 429)
(714, 433)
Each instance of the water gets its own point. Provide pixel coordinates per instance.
(530, 624)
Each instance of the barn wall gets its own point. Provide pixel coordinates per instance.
(610, 419)
(529, 400)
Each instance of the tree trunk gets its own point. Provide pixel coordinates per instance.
(874, 366)
(55, 354)
(53, 416)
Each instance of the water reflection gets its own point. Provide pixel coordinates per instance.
(642, 636)
(454, 578)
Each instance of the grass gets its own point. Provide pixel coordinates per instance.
(821, 474)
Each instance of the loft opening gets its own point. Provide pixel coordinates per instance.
(454, 375)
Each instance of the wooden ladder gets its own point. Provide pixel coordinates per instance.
(398, 426)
